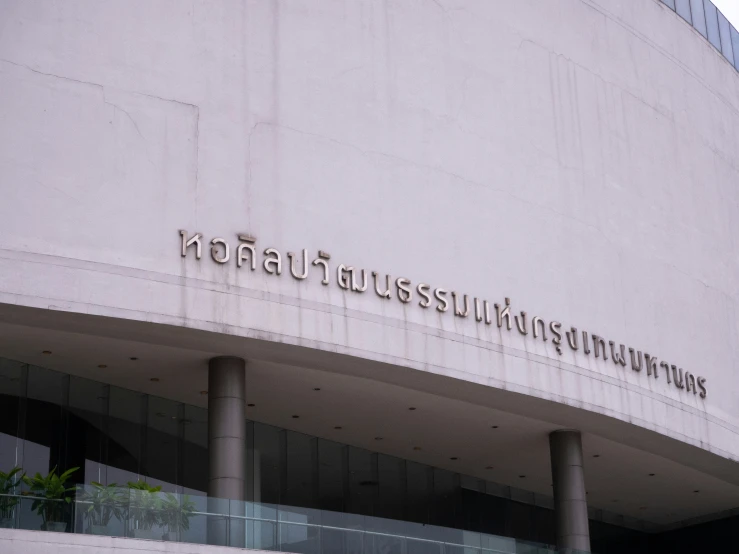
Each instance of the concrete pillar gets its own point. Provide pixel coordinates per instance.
(570, 503)
(227, 450)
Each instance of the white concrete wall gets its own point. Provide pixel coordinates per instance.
(13, 541)
(580, 157)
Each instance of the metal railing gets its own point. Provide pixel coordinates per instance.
(711, 23)
(122, 512)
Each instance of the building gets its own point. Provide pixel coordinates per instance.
(450, 276)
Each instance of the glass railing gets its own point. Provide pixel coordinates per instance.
(711, 23)
(125, 512)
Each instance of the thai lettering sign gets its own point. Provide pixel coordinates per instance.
(444, 301)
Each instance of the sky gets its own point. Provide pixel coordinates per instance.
(730, 8)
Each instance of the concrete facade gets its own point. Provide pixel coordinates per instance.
(580, 158)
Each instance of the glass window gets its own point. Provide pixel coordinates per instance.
(43, 444)
(712, 23)
(682, 7)
(266, 460)
(11, 390)
(301, 471)
(87, 429)
(362, 481)
(331, 471)
(735, 44)
(698, 16)
(162, 455)
(443, 509)
(195, 450)
(725, 31)
(420, 483)
(125, 429)
(670, 3)
(391, 487)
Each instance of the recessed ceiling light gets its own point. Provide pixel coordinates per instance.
(522, 477)
(133, 359)
(378, 438)
(494, 427)
(102, 366)
(154, 379)
(696, 491)
(338, 427)
(416, 448)
(489, 467)
(596, 455)
(203, 392)
(411, 409)
(47, 352)
(252, 405)
(296, 416)
(652, 474)
(454, 458)
(317, 388)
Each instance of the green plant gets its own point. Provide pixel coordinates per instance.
(176, 512)
(8, 485)
(50, 494)
(145, 506)
(101, 503)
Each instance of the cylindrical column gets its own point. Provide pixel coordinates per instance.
(570, 504)
(227, 449)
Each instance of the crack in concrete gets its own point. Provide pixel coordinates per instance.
(102, 89)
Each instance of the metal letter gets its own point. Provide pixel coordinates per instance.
(634, 365)
(522, 324)
(701, 386)
(690, 383)
(423, 291)
(598, 344)
(572, 339)
(555, 327)
(651, 365)
(403, 285)
(440, 295)
(380, 293)
(504, 313)
(194, 240)
(321, 260)
(478, 313)
(457, 310)
(358, 288)
(679, 383)
(294, 273)
(342, 277)
(247, 244)
(535, 325)
(214, 251)
(667, 370)
(276, 261)
(618, 358)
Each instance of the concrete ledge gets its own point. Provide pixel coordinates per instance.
(15, 541)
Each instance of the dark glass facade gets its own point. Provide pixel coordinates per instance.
(52, 420)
